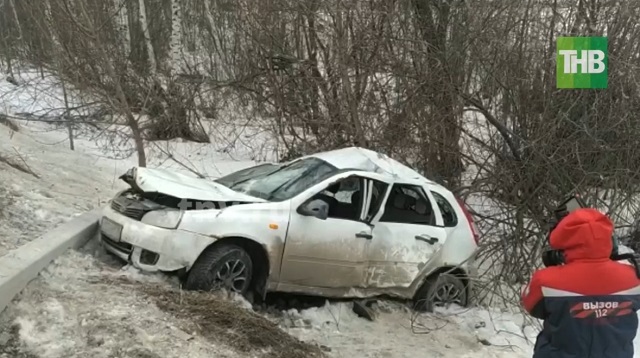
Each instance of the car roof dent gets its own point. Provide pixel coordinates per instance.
(367, 160)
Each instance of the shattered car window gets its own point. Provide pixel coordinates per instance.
(346, 194)
(312, 178)
(287, 181)
(247, 174)
(346, 188)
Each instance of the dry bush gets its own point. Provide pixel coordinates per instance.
(543, 144)
(6, 200)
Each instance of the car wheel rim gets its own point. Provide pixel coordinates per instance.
(232, 275)
(447, 294)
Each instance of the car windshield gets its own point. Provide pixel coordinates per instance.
(287, 181)
(246, 174)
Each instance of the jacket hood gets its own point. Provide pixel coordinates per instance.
(584, 234)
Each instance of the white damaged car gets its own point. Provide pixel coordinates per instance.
(343, 223)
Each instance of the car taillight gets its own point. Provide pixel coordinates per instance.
(472, 224)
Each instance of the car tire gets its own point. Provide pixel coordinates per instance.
(223, 266)
(441, 290)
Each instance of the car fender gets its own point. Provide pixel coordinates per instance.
(264, 223)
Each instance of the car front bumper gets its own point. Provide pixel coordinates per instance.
(152, 248)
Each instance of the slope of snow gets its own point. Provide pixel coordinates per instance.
(67, 184)
(69, 312)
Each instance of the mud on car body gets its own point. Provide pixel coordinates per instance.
(343, 223)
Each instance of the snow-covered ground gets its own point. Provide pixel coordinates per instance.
(397, 332)
(79, 308)
(70, 312)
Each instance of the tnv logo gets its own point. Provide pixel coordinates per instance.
(590, 61)
(581, 62)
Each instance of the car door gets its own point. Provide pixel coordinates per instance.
(406, 234)
(330, 253)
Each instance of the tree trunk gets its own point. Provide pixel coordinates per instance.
(17, 20)
(122, 105)
(67, 117)
(153, 67)
(176, 36)
(123, 25)
(440, 150)
(216, 64)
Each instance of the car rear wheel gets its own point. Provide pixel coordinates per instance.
(221, 267)
(441, 291)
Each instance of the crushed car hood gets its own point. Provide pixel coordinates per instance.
(181, 186)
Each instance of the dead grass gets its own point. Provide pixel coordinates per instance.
(224, 321)
(17, 162)
(6, 200)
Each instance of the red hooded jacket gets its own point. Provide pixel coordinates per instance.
(589, 303)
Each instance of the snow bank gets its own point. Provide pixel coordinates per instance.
(65, 184)
(397, 332)
(71, 312)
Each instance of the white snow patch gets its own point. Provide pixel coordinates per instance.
(445, 334)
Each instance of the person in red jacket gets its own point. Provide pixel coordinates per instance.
(589, 303)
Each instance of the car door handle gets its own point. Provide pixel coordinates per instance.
(428, 239)
(364, 235)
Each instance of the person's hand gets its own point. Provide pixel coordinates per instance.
(552, 257)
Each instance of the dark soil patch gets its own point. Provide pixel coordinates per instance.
(224, 321)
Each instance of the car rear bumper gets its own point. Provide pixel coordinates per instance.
(152, 248)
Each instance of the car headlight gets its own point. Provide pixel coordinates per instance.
(168, 219)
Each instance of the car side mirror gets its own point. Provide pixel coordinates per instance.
(316, 208)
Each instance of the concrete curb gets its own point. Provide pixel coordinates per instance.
(20, 266)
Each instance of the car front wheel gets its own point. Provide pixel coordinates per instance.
(440, 291)
(224, 266)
